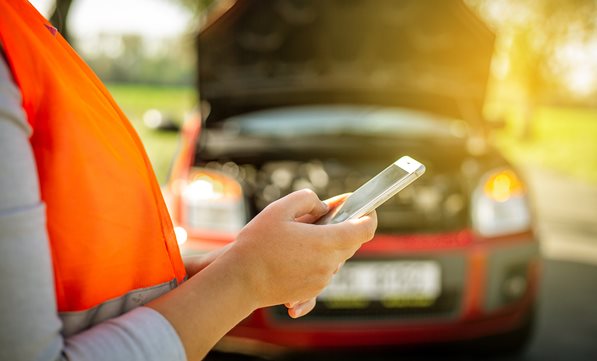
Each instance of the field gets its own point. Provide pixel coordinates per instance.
(135, 100)
(562, 139)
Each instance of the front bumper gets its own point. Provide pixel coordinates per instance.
(488, 287)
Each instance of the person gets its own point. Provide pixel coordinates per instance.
(89, 265)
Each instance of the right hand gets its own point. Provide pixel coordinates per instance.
(283, 259)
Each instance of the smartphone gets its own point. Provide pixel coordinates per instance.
(376, 191)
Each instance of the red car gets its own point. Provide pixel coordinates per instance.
(323, 95)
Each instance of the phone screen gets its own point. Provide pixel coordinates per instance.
(368, 191)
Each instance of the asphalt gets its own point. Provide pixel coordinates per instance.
(566, 327)
(567, 215)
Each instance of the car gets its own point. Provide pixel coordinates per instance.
(325, 94)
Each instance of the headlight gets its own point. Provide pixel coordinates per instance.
(213, 201)
(500, 204)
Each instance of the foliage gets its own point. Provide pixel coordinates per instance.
(130, 59)
(543, 48)
(196, 6)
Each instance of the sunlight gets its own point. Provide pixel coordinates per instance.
(578, 66)
(149, 18)
(582, 80)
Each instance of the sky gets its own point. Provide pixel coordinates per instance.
(150, 18)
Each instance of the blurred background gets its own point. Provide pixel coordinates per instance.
(541, 98)
(543, 80)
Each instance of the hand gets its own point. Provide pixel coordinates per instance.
(196, 263)
(283, 259)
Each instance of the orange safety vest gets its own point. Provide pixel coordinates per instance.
(110, 234)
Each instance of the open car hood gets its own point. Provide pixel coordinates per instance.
(432, 56)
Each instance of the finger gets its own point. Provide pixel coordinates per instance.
(331, 202)
(366, 226)
(351, 234)
(302, 308)
(291, 304)
(339, 266)
(300, 203)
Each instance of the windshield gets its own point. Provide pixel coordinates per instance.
(333, 120)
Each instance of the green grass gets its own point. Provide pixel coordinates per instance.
(562, 139)
(173, 101)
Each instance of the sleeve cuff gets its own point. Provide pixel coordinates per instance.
(141, 334)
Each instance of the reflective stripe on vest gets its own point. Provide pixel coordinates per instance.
(109, 230)
(75, 321)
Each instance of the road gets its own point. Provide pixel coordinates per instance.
(567, 322)
(567, 214)
(567, 220)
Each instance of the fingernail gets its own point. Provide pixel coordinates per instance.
(298, 311)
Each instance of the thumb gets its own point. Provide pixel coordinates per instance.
(337, 200)
(331, 204)
(301, 203)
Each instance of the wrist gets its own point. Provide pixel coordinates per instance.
(209, 304)
(238, 272)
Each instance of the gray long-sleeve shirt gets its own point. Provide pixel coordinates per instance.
(30, 328)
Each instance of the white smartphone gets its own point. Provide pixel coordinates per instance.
(376, 191)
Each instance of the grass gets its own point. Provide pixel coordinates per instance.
(172, 101)
(563, 139)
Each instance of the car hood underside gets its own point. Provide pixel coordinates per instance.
(432, 56)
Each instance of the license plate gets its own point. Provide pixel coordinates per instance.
(392, 283)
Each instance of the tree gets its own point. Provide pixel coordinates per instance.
(59, 17)
(535, 39)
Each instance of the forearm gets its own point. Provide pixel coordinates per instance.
(203, 309)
